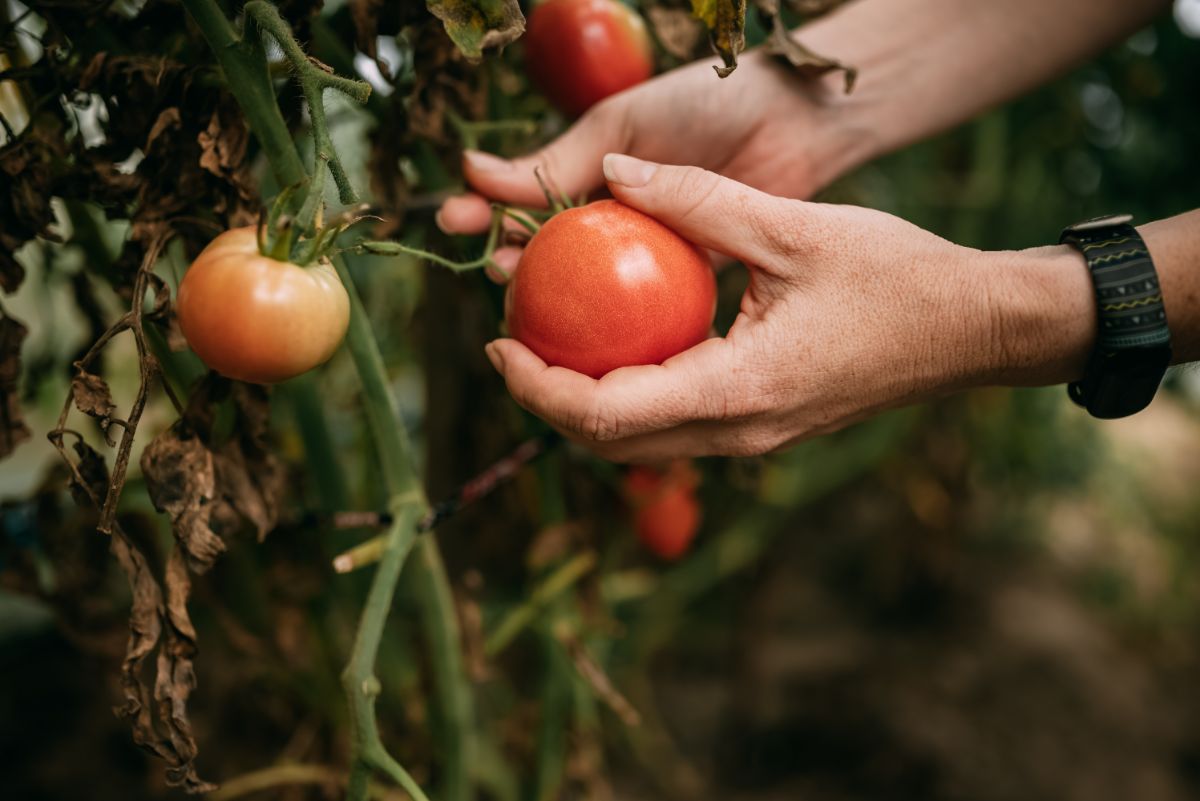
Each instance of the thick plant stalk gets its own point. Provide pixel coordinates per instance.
(244, 64)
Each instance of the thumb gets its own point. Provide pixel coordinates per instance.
(569, 164)
(710, 211)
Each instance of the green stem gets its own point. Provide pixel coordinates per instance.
(314, 79)
(451, 688)
(558, 582)
(244, 64)
(245, 68)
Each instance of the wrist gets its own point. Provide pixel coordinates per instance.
(1042, 316)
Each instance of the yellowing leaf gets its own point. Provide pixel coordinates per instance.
(478, 24)
(726, 23)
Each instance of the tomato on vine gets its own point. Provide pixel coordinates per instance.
(578, 52)
(604, 286)
(666, 509)
(259, 319)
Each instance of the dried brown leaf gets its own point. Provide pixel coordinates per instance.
(181, 480)
(677, 30)
(365, 14)
(92, 396)
(809, 64)
(167, 120)
(223, 143)
(13, 430)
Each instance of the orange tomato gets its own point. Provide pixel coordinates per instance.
(257, 319)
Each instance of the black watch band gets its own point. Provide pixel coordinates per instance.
(1133, 346)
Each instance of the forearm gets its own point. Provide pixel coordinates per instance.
(1044, 311)
(926, 65)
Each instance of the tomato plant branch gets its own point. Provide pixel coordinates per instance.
(314, 78)
(484, 260)
(558, 582)
(244, 64)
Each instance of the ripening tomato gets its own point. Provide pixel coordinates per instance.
(666, 511)
(604, 286)
(578, 52)
(256, 319)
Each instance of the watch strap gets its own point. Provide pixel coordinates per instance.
(1128, 296)
(1133, 344)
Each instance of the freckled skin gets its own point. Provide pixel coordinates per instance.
(578, 52)
(604, 286)
(255, 319)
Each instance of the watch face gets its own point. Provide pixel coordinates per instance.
(1101, 222)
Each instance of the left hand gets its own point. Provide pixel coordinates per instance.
(848, 312)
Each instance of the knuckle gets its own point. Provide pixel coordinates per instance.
(783, 227)
(600, 424)
(752, 441)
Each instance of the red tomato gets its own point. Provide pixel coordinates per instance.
(578, 52)
(666, 511)
(604, 286)
(255, 319)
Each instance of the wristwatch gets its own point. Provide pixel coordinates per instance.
(1133, 347)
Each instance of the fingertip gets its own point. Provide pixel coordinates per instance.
(464, 214)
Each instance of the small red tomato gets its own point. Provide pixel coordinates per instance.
(578, 52)
(256, 319)
(666, 511)
(604, 286)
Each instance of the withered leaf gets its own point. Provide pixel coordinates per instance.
(726, 23)
(781, 43)
(181, 480)
(162, 298)
(249, 477)
(678, 31)
(365, 14)
(94, 472)
(174, 673)
(13, 430)
(92, 396)
(475, 25)
(167, 120)
(223, 143)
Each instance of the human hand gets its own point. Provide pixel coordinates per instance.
(762, 126)
(849, 312)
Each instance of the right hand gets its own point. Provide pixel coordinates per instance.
(763, 126)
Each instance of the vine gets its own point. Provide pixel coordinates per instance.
(244, 63)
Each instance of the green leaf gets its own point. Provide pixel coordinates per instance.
(726, 23)
(475, 25)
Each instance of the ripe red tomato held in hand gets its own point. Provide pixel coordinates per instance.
(604, 286)
(578, 52)
(256, 319)
(666, 511)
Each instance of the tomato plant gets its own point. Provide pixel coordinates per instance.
(666, 510)
(604, 286)
(258, 319)
(578, 52)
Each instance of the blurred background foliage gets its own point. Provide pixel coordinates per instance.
(988, 597)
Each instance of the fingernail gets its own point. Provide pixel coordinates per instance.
(485, 162)
(440, 222)
(628, 171)
(493, 354)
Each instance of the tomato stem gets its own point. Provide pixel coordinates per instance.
(470, 131)
(243, 62)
